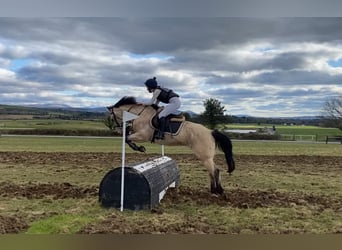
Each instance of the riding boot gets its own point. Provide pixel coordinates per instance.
(160, 134)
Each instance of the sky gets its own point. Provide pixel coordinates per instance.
(255, 66)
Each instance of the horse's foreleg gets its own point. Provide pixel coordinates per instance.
(130, 143)
(135, 147)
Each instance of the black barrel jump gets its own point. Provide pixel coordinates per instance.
(145, 184)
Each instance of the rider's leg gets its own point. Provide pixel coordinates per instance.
(169, 109)
(161, 131)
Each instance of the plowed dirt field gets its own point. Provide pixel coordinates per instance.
(307, 186)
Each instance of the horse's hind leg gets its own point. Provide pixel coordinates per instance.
(203, 146)
(214, 173)
(219, 189)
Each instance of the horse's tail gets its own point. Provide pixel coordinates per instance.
(225, 144)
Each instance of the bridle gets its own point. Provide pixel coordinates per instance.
(117, 123)
(115, 119)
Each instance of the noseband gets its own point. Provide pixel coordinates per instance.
(118, 124)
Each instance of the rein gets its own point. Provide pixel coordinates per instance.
(120, 125)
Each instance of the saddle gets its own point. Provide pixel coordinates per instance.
(173, 123)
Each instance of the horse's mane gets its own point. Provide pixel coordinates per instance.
(126, 100)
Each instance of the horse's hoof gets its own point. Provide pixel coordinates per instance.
(220, 192)
(142, 149)
(229, 173)
(217, 192)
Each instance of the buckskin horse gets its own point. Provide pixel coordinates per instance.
(200, 139)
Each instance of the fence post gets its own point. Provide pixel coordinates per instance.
(125, 118)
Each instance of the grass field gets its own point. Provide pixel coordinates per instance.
(318, 133)
(113, 144)
(51, 124)
(98, 125)
(49, 185)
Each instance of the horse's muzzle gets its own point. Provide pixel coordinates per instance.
(119, 130)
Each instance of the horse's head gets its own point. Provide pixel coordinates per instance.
(117, 109)
(116, 118)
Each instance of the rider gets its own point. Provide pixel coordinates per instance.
(162, 95)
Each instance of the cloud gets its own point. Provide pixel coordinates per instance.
(256, 66)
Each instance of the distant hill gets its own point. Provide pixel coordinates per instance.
(68, 108)
(51, 112)
(192, 114)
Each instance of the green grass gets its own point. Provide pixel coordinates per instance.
(51, 124)
(59, 172)
(316, 131)
(256, 170)
(57, 144)
(308, 130)
(83, 124)
(286, 148)
(262, 220)
(86, 144)
(72, 144)
(50, 216)
(60, 224)
(282, 179)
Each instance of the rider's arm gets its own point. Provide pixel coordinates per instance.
(154, 99)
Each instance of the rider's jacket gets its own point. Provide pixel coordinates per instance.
(166, 94)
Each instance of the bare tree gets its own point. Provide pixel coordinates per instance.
(332, 112)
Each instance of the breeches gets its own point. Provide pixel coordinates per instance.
(170, 108)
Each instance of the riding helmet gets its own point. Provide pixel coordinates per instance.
(151, 83)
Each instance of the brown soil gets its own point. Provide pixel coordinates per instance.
(234, 197)
(39, 191)
(10, 225)
(98, 159)
(238, 198)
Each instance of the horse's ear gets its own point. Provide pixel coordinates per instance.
(131, 100)
(155, 106)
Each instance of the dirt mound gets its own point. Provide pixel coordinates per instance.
(91, 159)
(239, 198)
(11, 225)
(58, 158)
(251, 199)
(120, 224)
(39, 191)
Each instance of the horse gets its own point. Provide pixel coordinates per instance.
(197, 137)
